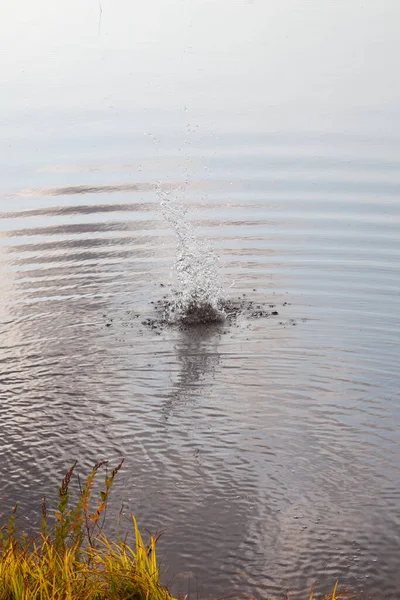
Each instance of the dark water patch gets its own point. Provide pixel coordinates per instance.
(74, 190)
(75, 209)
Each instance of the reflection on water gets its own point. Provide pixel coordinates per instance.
(197, 355)
(102, 189)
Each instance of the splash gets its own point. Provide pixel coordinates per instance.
(198, 296)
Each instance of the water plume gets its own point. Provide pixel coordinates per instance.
(198, 296)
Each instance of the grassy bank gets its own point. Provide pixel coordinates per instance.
(72, 558)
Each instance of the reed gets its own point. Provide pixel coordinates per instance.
(71, 558)
(336, 594)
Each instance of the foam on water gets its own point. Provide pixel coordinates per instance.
(198, 295)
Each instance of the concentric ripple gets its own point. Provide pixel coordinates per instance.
(265, 445)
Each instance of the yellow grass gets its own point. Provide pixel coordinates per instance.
(73, 559)
(334, 595)
(104, 570)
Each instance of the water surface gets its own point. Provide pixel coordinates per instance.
(267, 449)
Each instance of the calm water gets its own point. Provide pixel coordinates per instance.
(268, 450)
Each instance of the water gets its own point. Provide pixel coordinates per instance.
(197, 299)
(266, 448)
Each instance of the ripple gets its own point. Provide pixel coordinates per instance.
(265, 445)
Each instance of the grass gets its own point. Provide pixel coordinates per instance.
(71, 558)
(334, 595)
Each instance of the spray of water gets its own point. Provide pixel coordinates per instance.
(198, 297)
